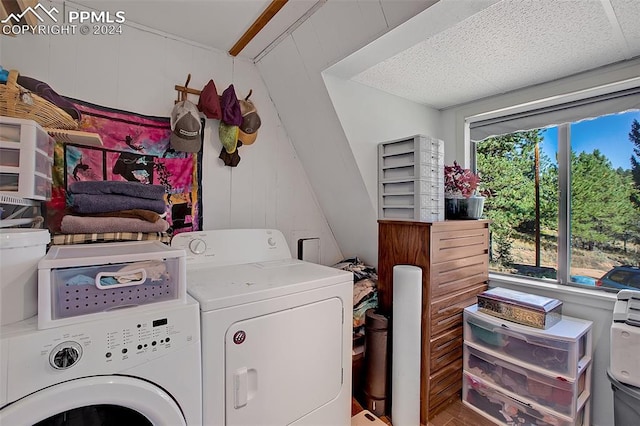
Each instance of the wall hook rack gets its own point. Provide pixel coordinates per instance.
(184, 91)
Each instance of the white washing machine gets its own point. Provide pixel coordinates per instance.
(134, 368)
(276, 331)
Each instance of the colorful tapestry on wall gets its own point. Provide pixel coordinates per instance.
(135, 148)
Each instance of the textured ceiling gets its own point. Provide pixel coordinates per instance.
(508, 45)
(453, 52)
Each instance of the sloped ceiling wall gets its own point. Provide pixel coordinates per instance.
(292, 73)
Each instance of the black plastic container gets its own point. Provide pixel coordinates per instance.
(375, 362)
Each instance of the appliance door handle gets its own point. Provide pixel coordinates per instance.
(240, 387)
(245, 386)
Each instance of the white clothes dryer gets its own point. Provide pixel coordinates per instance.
(276, 331)
(135, 368)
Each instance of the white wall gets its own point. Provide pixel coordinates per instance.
(137, 70)
(369, 116)
(292, 71)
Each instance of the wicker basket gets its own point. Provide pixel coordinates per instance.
(16, 101)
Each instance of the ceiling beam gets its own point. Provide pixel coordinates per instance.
(259, 24)
(24, 5)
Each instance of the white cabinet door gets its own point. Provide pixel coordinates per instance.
(284, 365)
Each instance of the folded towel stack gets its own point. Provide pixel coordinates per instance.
(115, 206)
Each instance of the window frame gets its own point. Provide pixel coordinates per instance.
(563, 270)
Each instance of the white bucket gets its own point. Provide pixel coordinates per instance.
(20, 252)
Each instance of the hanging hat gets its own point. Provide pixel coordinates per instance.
(228, 136)
(185, 127)
(209, 102)
(248, 129)
(230, 160)
(230, 107)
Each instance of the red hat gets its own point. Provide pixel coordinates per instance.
(209, 102)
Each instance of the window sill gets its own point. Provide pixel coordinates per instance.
(582, 296)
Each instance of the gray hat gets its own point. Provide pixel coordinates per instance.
(186, 127)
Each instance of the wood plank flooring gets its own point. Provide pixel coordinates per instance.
(456, 414)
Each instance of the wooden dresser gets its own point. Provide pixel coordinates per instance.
(454, 257)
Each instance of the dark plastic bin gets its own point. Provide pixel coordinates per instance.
(375, 362)
(626, 403)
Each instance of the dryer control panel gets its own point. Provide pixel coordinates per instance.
(224, 247)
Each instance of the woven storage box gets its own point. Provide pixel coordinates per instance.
(523, 308)
(16, 101)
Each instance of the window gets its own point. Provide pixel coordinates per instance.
(564, 195)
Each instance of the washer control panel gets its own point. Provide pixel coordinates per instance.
(65, 355)
(126, 339)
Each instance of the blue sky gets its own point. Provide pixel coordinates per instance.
(609, 134)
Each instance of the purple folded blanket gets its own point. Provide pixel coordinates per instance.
(89, 203)
(92, 225)
(131, 189)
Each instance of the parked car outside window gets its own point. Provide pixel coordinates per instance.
(623, 277)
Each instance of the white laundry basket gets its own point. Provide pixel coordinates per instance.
(20, 252)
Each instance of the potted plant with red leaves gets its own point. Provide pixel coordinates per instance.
(460, 191)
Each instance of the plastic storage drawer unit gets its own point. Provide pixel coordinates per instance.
(79, 283)
(625, 338)
(554, 393)
(26, 159)
(509, 410)
(559, 349)
(411, 178)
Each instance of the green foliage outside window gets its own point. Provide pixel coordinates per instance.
(605, 202)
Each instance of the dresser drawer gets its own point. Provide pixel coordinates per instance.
(462, 241)
(446, 348)
(446, 312)
(444, 385)
(454, 276)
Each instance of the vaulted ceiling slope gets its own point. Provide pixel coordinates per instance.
(214, 23)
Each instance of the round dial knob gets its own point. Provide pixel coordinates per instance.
(197, 246)
(65, 355)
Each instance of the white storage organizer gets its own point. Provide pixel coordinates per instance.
(83, 282)
(518, 374)
(411, 179)
(20, 251)
(625, 338)
(26, 159)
